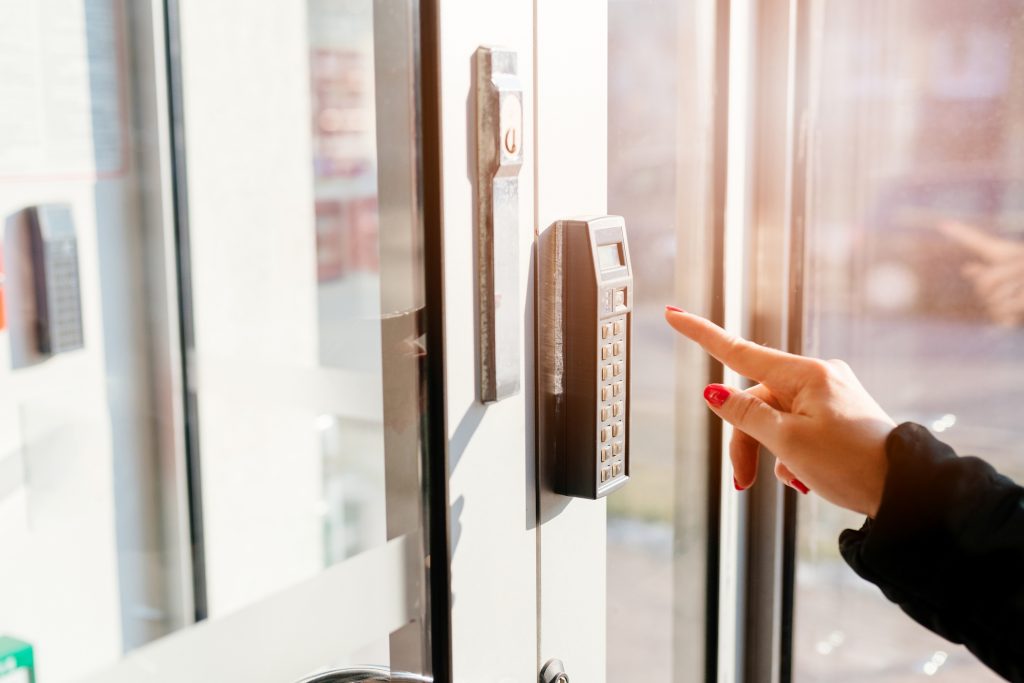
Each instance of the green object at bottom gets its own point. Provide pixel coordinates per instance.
(16, 657)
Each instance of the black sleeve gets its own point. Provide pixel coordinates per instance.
(947, 546)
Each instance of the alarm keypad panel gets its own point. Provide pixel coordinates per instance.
(592, 308)
(612, 405)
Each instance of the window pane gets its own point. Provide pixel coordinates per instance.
(657, 535)
(127, 511)
(916, 124)
(93, 539)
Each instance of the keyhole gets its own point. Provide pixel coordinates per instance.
(512, 140)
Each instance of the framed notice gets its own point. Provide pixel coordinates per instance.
(62, 90)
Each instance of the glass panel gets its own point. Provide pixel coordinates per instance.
(94, 545)
(307, 294)
(657, 524)
(917, 108)
(299, 499)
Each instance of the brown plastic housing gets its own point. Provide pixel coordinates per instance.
(585, 320)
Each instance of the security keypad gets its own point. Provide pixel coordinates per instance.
(592, 300)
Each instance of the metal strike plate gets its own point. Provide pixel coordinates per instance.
(499, 143)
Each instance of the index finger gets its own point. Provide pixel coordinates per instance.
(975, 239)
(771, 367)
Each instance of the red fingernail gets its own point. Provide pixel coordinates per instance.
(737, 485)
(800, 486)
(715, 394)
(674, 308)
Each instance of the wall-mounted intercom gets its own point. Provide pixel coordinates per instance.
(584, 334)
(58, 304)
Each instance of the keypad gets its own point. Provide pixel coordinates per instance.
(65, 315)
(612, 408)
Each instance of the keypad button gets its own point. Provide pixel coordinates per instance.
(604, 413)
(604, 434)
(616, 429)
(605, 331)
(616, 469)
(617, 448)
(617, 349)
(620, 298)
(605, 391)
(605, 371)
(606, 473)
(606, 351)
(605, 452)
(617, 408)
(617, 328)
(616, 388)
(617, 369)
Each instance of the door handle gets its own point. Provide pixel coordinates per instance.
(368, 674)
(499, 113)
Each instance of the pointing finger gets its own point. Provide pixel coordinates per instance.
(768, 366)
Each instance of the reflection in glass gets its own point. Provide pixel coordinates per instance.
(90, 561)
(916, 266)
(124, 514)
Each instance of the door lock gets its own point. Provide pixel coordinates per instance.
(499, 143)
(554, 672)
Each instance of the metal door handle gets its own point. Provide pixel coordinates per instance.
(368, 674)
(499, 114)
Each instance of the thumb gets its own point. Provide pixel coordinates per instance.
(747, 413)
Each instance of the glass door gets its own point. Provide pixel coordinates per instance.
(914, 275)
(214, 410)
(885, 230)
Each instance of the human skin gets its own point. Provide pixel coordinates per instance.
(996, 272)
(814, 417)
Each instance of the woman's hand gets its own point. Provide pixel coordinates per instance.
(998, 274)
(814, 416)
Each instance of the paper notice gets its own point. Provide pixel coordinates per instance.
(61, 90)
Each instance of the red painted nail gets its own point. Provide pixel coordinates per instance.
(800, 486)
(716, 394)
(675, 309)
(737, 485)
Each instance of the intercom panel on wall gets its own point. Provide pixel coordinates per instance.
(53, 247)
(585, 315)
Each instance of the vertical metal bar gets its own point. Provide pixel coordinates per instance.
(768, 314)
(179, 192)
(720, 151)
(399, 198)
(439, 566)
(499, 144)
(776, 318)
(800, 120)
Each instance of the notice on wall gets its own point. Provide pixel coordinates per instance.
(62, 109)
